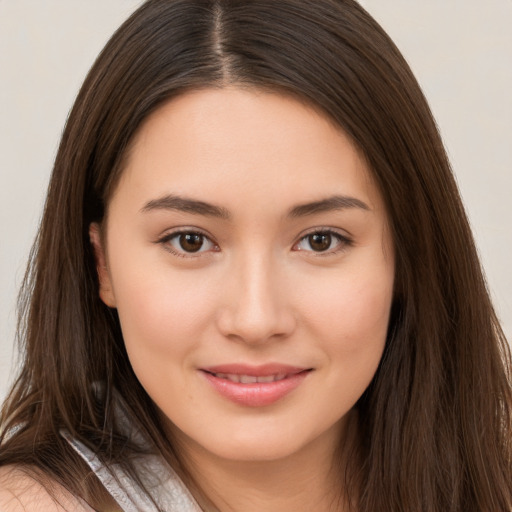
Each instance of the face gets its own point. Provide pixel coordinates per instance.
(247, 253)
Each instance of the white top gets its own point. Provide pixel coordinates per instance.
(160, 480)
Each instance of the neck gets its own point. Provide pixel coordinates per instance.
(310, 479)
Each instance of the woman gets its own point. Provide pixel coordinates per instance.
(254, 268)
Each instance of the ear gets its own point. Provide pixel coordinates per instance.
(106, 292)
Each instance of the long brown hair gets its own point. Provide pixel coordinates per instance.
(435, 424)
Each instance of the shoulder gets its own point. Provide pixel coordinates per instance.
(20, 492)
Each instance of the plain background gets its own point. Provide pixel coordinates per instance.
(460, 50)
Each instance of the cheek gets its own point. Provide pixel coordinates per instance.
(163, 316)
(353, 326)
(161, 312)
(351, 317)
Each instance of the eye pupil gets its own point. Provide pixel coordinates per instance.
(191, 242)
(320, 241)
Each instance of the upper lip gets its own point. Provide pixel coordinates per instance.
(263, 370)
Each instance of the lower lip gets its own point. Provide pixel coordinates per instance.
(257, 394)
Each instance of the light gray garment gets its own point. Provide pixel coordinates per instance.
(161, 481)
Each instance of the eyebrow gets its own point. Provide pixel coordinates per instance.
(332, 203)
(183, 204)
(196, 207)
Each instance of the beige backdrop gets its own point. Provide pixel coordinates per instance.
(461, 51)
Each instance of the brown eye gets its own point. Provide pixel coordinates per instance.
(325, 241)
(191, 242)
(187, 243)
(320, 242)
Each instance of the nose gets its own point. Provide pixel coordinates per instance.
(256, 306)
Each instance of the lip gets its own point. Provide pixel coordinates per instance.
(255, 394)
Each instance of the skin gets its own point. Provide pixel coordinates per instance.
(257, 291)
(20, 492)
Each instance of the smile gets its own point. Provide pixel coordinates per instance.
(250, 379)
(255, 386)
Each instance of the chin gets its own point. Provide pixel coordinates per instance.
(259, 442)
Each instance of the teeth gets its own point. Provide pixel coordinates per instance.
(268, 378)
(250, 379)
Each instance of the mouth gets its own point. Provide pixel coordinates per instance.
(255, 386)
(249, 379)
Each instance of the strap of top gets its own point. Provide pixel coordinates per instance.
(161, 482)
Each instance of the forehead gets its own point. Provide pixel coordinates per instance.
(234, 143)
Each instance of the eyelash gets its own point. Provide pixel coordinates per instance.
(166, 239)
(343, 241)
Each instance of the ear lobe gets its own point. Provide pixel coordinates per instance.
(106, 293)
